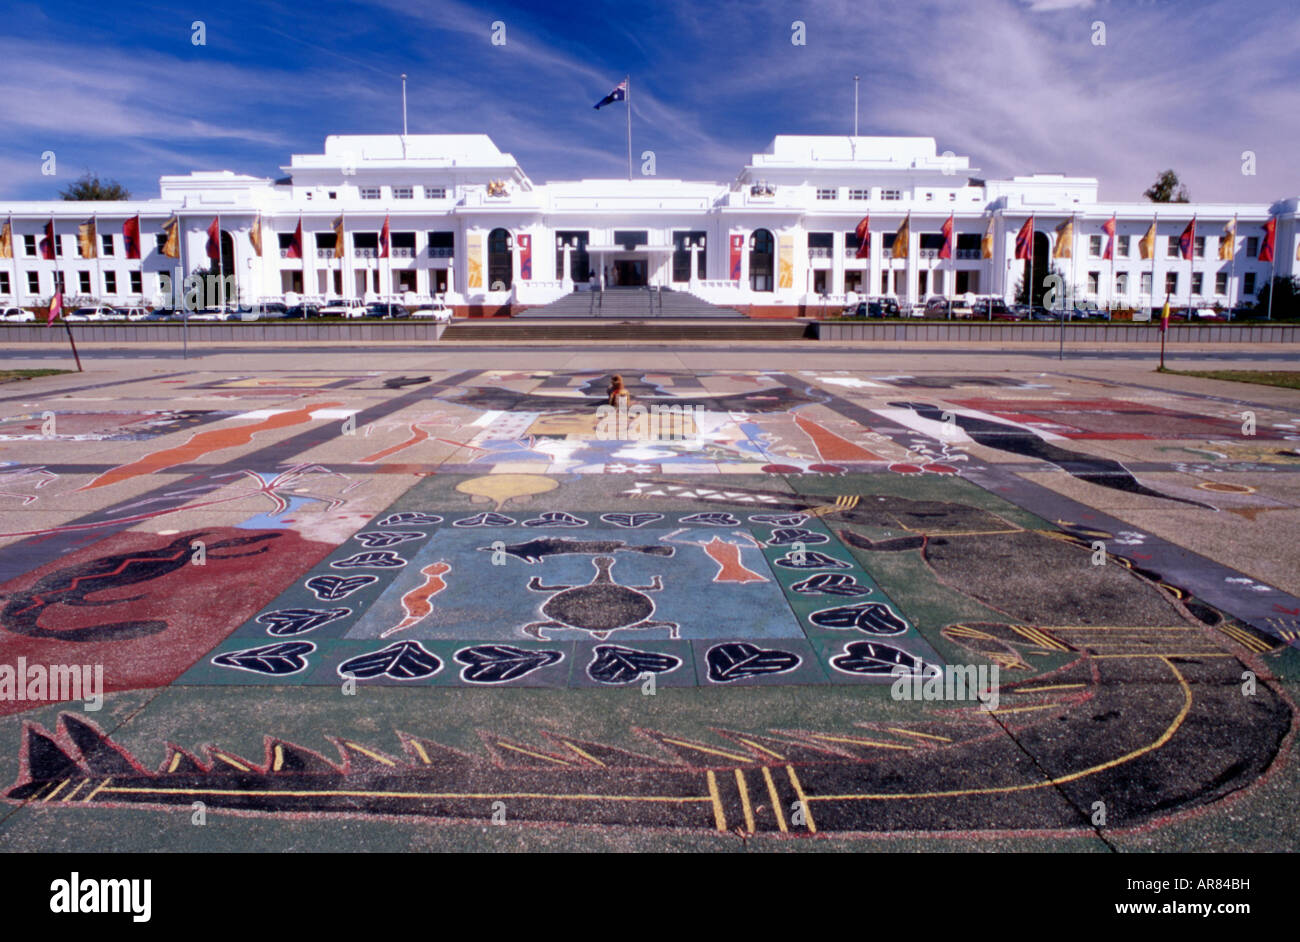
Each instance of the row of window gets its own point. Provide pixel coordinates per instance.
(402, 192)
(833, 193)
(135, 282)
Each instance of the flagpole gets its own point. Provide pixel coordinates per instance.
(96, 244)
(1155, 234)
(855, 109)
(628, 97)
(13, 257)
(1232, 268)
(221, 268)
(185, 313)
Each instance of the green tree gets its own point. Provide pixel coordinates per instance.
(1167, 189)
(91, 187)
(1286, 302)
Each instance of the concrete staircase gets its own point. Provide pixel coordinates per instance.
(523, 330)
(626, 303)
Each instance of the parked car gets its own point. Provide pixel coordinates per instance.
(133, 313)
(437, 312)
(962, 307)
(92, 314)
(17, 315)
(161, 314)
(344, 307)
(1039, 313)
(386, 309)
(936, 307)
(208, 314)
(1087, 311)
(303, 311)
(995, 309)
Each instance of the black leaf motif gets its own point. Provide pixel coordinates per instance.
(874, 618)
(556, 518)
(298, 621)
(487, 518)
(404, 660)
(631, 521)
(501, 663)
(784, 536)
(410, 518)
(379, 559)
(830, 583)
(779, 520)
(331, 588)
(811, 559)
(386, 538)
(279, 660)
(713, 518)
(613, 664)
(737, 660)
(874, 658)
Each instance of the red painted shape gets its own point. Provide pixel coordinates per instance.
(417, 435)
(940, 469)
(830, 446)
(730, 568)
(781, 469)
(416, 603)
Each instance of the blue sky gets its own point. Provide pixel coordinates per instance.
(1017, 85)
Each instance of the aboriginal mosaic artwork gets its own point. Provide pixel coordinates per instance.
(813, 536)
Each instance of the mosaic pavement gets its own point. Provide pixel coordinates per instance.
(434, 599)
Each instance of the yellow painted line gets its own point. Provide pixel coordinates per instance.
(361, 793)
(75, 790)
(776, 800)
(97, 790)
(859, 742)
(1142, 628)
(912, 732)
(744, 801)
(1026, 709)
(754, 745)
(58, 789)
(371, 755)
(1164, 654)
(1040, 689)
(424, 756)
(278, 764)
(712, 752)
(1164, 737)
(719, 817)
(584, 754)
(175, 763)
(232, 762)
(803, 800)
(535, 755)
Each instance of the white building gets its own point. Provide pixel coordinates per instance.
(468, 224)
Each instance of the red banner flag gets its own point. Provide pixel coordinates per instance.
(1108, 227)
(737, 246)
(47, 244)
(383, 240)
(863, 232)
(295, 244)
(525, 256)
(1270, 238)
(131, 237)
(214, 238)
(946, 251)
(1025, 239)
(1187, 240)
(56, 308)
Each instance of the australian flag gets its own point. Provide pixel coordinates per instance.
(618, 94)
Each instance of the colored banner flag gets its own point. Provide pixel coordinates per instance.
(131, 237)
(255, 235)
(474, 262)
(785, 261)
(172, 246)
(384, 239)
(49, 242)
(1228, 241)
(737, 248)
(1164, 316)
(1064, 240)
(946, 251)
(1270, 239)
(214, 238)
(1147, 244)
(1187, 241)
(338, 236)
(7, 239)
(86, 240)
(295, 244)
(1025, 239)
(525, 243)
(618, 94)
(863, 232)
(986, 243)
(56, 308)
(902, 237)
(1108, 228)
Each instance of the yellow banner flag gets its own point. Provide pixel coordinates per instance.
(7, 241)
(986, 243)
(338, 237)
(901, 238)
(172, 247)
(86, 240)
(1147, 244)
(1228, 241)
(255, 236)
(1064, 240)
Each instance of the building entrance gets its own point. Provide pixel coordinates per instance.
(629, 273)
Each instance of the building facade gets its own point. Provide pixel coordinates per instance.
(466, 224)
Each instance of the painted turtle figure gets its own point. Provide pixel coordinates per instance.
(600, 607)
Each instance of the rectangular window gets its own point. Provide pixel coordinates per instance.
(1121, 245)
(4, 282)
(682, 254)
(1248, 283)
(1121, 283)
(83, 282)
(137, 283)
(402, 192)
(365, 244)
(887, 241)
(110, 282)
(891, 194)
(827, 193)
(1094, 246)
(1171, 250)
(931, 241)
(1171, 282)
(435, 192)
(442, 244)
(29, 246)
(370, 192)
(403, 244)
(33, 282)
(1198, 246)
(1221, 283)
(929, 197)
(106, 244)
(160, 240)
(859, 194)
(325, 242)
(1094, 282)
(1198, 281)
(1252, 249)
(60, 283)
(1146, 283)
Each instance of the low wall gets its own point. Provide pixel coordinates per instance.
(221, 332)
(1050, 333)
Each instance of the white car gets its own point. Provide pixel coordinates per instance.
(92, 314)
(133, 313)
(438, 313)
(344, 307)
(17, 315)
